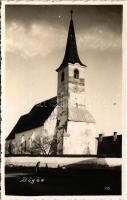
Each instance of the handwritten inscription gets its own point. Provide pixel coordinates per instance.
(31, 180)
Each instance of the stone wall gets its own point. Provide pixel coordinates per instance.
(62, 108)
(76, 87)
(73, 137)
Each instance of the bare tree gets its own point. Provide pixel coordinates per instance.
(41, 145)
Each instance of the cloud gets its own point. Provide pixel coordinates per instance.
(100, 38)
(37, 40)
(44, 39)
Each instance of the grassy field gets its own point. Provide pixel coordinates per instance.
(72, 180)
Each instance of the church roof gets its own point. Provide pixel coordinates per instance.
(71, 53)
(40, 113)
(35, 118)
(80, 115)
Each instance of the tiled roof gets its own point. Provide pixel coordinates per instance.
(35, 118)
(83, 115)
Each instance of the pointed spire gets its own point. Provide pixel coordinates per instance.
(71, 53)
(71, 13)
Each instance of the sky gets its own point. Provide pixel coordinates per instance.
(35, 41)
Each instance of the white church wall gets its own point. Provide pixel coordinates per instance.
(10, 146)
(28, 137)
(80, 139)
(50, 124)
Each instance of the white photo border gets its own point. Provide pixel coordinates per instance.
(124, 108)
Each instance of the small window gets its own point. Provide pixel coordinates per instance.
(33, 136)
(25, 146)
(76, 74)
(22, 139)
(62, 76)
(58, 122)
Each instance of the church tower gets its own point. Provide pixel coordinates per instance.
(75, 125)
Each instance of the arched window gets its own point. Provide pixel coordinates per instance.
(62, 76)
(23, 144)
(76, 74)
(22, 139)
(30, 142)
(25, 147)
(33, 136)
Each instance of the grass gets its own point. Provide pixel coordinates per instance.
(68, 181)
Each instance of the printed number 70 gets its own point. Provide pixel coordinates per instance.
(107, 188)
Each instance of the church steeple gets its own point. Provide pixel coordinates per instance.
(71, 53)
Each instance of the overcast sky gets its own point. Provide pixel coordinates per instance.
(35, 45)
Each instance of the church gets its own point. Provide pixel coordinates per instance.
(61, 125)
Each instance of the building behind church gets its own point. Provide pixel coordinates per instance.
(61, 125)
